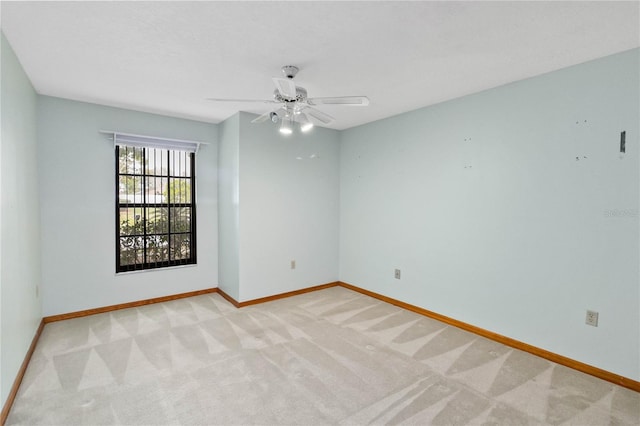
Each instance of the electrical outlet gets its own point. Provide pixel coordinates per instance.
(293, 264)
(592, 318)
(397, 274)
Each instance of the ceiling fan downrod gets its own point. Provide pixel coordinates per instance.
(290, 71)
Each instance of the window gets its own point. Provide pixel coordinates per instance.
(155, 208)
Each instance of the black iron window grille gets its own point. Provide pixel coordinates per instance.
(155, 208)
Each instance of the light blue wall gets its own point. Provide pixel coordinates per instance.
(278, 203)
(289, 195)
(77, 187)
(228, 206)
(20, 308)
(511, 209)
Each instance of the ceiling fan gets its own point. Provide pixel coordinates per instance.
(293, 105)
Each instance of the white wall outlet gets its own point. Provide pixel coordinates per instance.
(397, 274)
(592, 318)
(293, 264)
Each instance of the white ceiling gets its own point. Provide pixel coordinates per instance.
(167, 57)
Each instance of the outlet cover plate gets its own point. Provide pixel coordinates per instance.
(591, 318)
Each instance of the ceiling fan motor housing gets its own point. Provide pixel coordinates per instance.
(301, 95)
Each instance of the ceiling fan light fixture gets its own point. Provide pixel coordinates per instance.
(286, 127)
(305, 123)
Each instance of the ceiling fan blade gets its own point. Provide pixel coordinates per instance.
(261, 118)
(286, 87)
(340, 100)
(264, 117)
(263, 101)
(319, 115)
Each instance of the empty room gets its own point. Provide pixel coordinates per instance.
(320, 213)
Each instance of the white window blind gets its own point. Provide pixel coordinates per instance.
(142, 141)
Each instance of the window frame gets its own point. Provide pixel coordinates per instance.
(144, 206)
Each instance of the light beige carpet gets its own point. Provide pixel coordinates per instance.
(327, 357)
